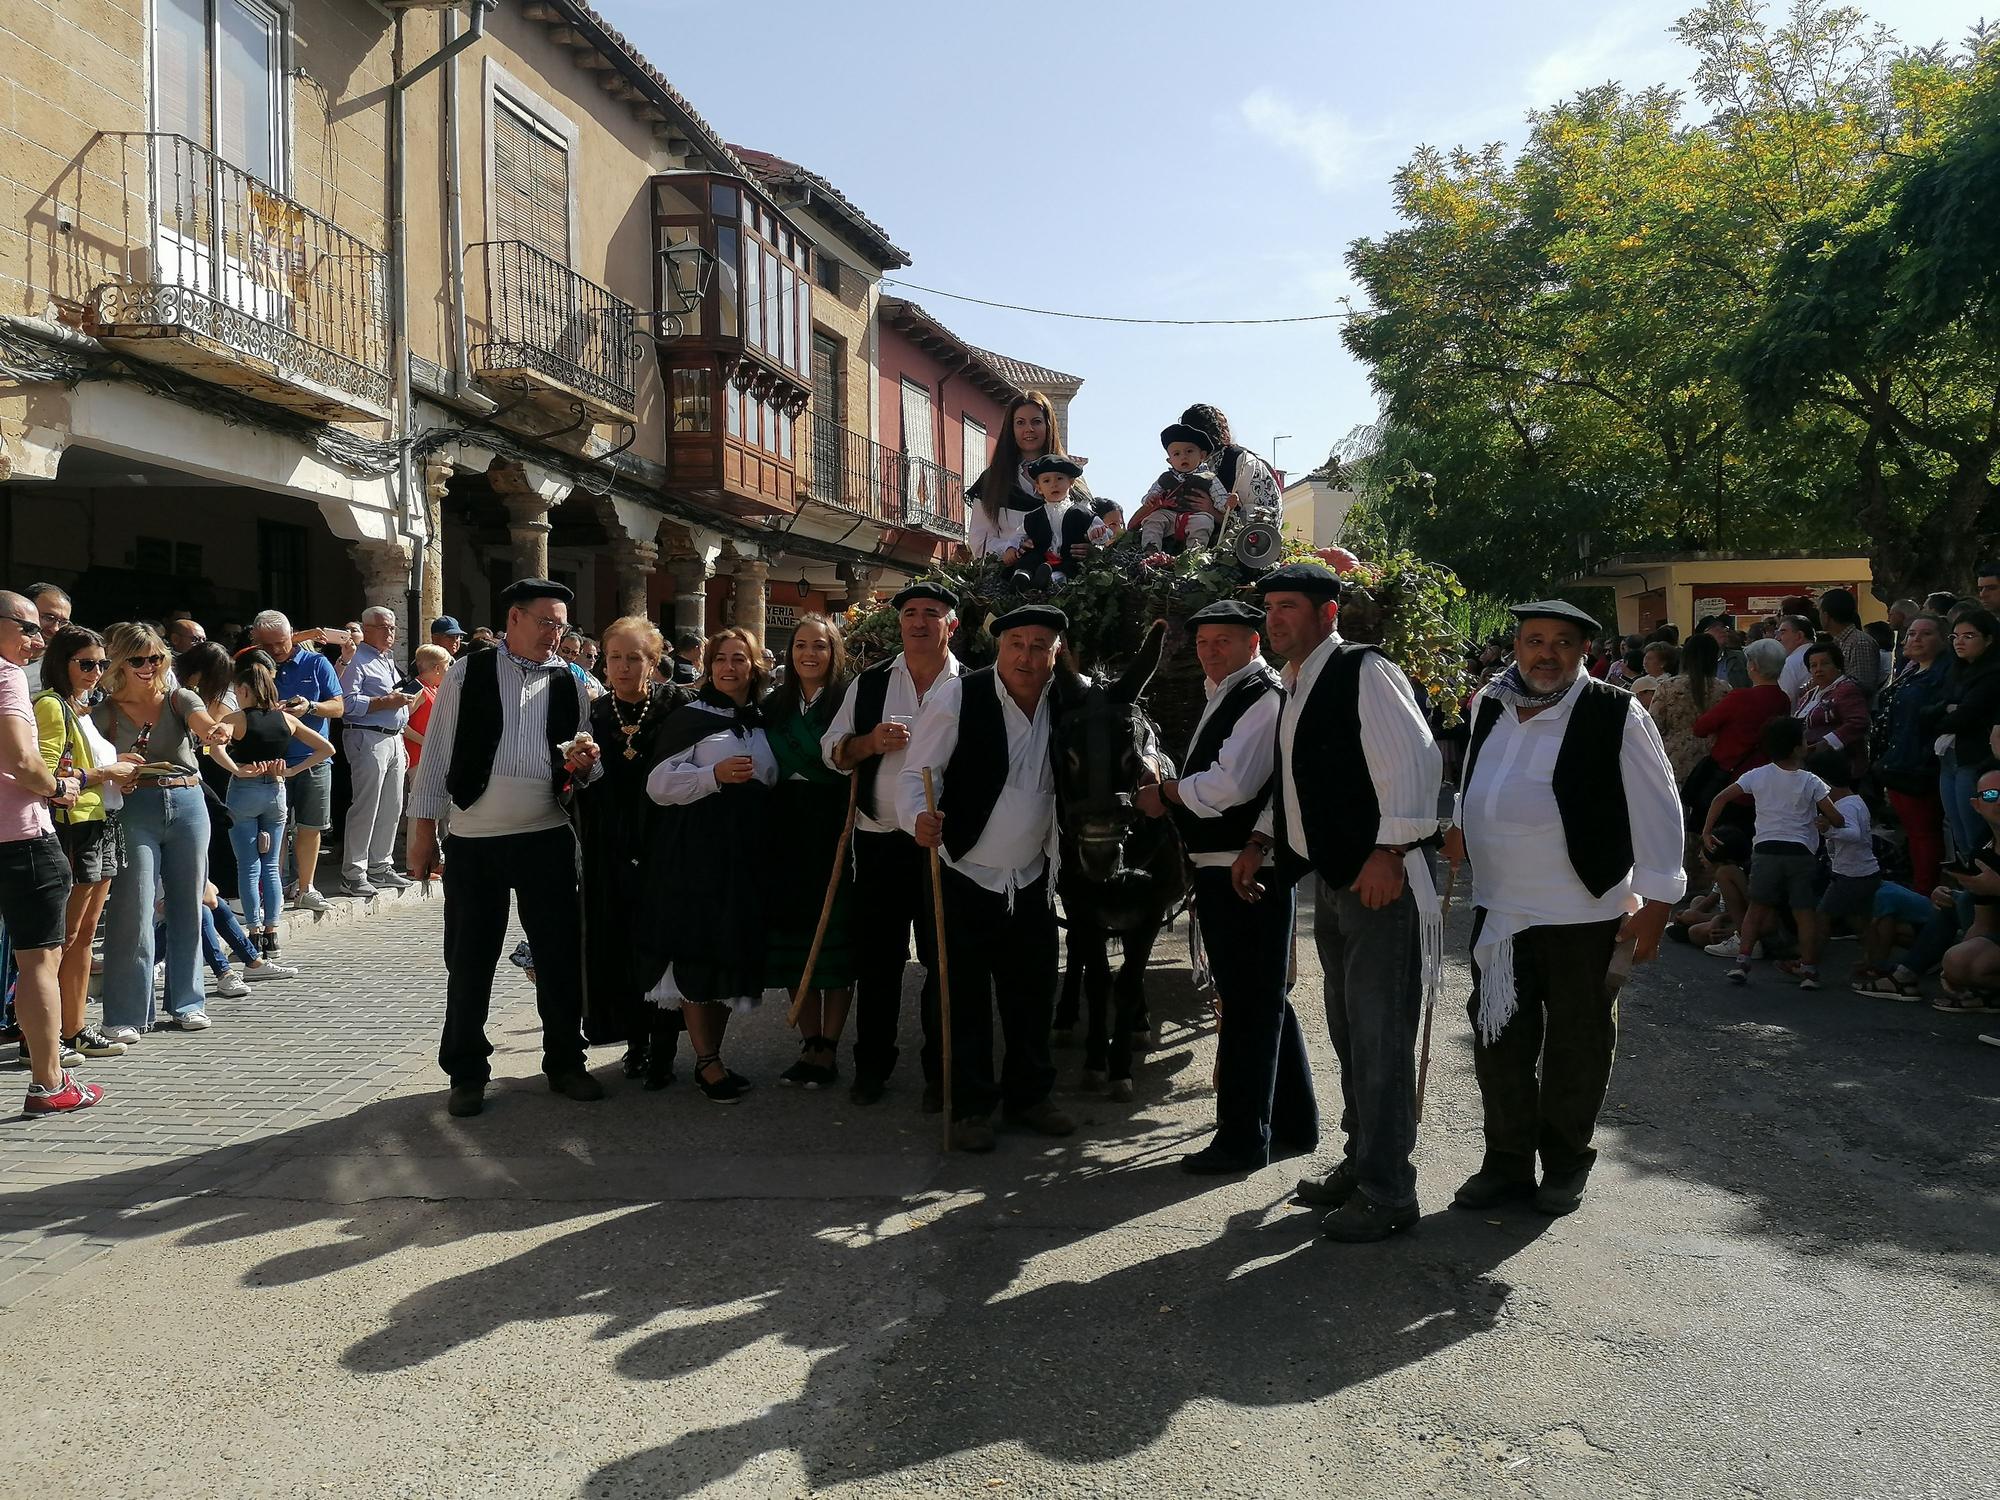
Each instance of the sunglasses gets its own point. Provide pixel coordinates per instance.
(89, 663)
(26, 627)
(144, 661)
(1991, 794)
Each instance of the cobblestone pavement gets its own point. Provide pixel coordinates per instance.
(269, 1265)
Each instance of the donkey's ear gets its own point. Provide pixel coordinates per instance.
(1131, 684)
(1066, 687)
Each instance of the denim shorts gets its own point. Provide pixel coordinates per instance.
(1781, 877)
(309, 797)
(92, 849)
(1902, 904)
(34, 891)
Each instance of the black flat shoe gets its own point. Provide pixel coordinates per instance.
(576, 1084)
(635, 1060)
(1213, 1161)
(1559, 1195)
(866, 1091)
(1488, 1188)
(465, 1100)
(1330, 1191)
(1361, 1220)
(725, 1090)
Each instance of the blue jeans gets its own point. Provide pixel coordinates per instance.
(166, 855)
(1966, 828)
(220, 932)
(259, 808)
(1372, 963)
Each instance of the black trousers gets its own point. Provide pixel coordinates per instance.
(1006, 961)
(1263, 1079)
(892, 897)
(1568, 1025)
(539, 871)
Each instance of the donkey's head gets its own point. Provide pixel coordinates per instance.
(1103, 745)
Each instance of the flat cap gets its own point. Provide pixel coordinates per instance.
(524, 589)
(1313, 579)
(1227, 612)
(1554, 609)
(923, 588)
(1045, 615)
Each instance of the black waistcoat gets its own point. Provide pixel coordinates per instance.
(480, 718)
(1076, 524)
(1589, 781)
(1228, 833)
(871, 693)
(1338, 810)
(977, 770)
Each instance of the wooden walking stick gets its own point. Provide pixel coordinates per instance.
(1430, 1002)
(943, 962)
(826, 906)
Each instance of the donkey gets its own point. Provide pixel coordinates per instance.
(1121, 873)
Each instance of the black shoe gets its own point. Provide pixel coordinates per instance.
(799, 1073)
(866, 1091)
(576, 1084)
(1043, 1118)
(1361, 1220)
(725, 1090)
(973, 1133)
(933, 1098)
(1213, 1161)
(465, 1100)
(635, 1060)
(1489, 1188)
(1281, 1148)
(1559, 1195)
(1330, 1191)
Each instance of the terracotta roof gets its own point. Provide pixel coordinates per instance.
(903, 313)
(814, 191)
(1018, 372)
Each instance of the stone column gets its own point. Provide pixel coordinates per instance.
(636, 562)
(690, 576)
(385, 574)
(860, 580)
(436, 474)
(528, 495)
(747, 605)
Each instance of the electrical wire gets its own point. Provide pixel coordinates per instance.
(1047, 312)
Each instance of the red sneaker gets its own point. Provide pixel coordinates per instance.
(71, 1095)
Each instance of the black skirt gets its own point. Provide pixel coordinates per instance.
(704, 910)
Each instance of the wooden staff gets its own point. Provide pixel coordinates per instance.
(826, 906)
(943, 963)
(1430, 1003)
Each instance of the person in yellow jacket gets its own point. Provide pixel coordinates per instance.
(72, 667)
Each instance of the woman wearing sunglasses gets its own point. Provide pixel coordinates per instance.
(165, 834)
(72, 667)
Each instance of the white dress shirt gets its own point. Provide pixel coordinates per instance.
(1403, 759)
(900, 701)
(519, 795)
(1514, 837)
(990, 538)
(1792, 677)
(1242, 767)
(1018, 843)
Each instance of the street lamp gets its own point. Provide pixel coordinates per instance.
(1279, 438)
(685, 272)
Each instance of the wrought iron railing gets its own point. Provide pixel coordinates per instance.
(225, 255)
(851, 473)
(543, 318)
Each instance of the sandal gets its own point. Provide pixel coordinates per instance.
(805, 1072)
(725, 1090)
(1964, 1002)
(1885, 986)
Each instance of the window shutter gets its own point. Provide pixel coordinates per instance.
(919, 441)
(530, 184)
(973, 458)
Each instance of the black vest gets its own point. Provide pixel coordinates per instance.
(977, 770)
(477, 736)
(1076, 524)
(1338, 809)
(1589, 781)
(1228, 833)
(871, 692)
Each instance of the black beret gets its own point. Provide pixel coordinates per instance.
(1227, 612)
(1313, 579)
(1187, 432)
(1045, 615)
(1055, 463)
(1554, 609)
(923, 589)
(524, 589)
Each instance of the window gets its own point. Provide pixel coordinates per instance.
(281, 568)
(974, 457)
(218, 79)
(919, 439)
(829, 273)
(530, 181)
(692, 405)
(187, 559)
(826, 363)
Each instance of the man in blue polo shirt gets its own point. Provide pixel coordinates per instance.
(309, 689)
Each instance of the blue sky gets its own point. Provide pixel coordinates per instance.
(1155, 160)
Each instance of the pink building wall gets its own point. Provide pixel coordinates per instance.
(953, 398)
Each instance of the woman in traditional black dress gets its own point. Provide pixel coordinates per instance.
(701, 928)
(616, 820)
(809, 807)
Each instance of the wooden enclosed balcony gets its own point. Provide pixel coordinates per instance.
(228, 279)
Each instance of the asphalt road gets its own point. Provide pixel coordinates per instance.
(1783, 1282)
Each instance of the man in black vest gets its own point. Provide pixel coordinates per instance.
(506, 740)
(985, 738)
(1356, 792)
(868, 739)
(1574, 828)
(1263, 1080)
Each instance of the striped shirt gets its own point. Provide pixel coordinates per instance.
(523, 753)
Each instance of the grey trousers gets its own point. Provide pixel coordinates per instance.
(375, 772)
(1373, 967)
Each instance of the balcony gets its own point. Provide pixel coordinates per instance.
(853, 474)
(551, 333)
(235, 283)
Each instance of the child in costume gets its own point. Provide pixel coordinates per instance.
(1186, 501)
(1061, 533)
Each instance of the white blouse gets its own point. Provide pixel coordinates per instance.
(990, 538)
(690, 776)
